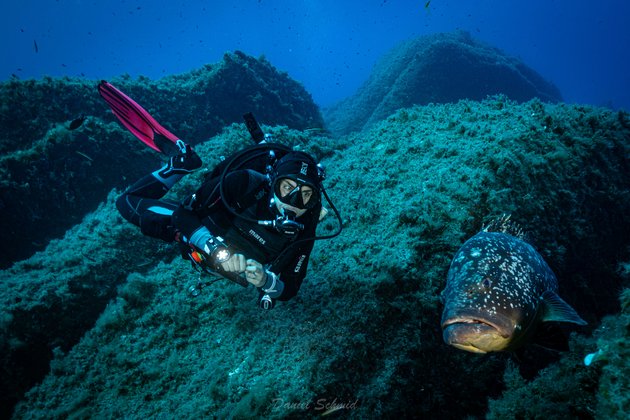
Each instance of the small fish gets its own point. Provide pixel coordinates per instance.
(427, 4)
(35, 47)
(498, 292)
(85, 156)
(77, 122)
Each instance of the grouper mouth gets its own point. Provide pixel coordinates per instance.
(481, 324)
(477, 332)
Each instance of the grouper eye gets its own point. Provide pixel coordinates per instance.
(482, 287)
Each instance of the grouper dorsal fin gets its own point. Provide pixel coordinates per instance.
(557, 310)
(504, 224)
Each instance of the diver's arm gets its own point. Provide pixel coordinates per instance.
(294, 273)
(283, 281)
(289, 272)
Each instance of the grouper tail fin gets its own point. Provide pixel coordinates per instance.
(134, 117)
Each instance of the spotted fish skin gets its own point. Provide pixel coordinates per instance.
(498, 290)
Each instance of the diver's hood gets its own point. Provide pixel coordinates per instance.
(302, 169)
(299, 166)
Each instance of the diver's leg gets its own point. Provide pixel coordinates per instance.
(141, 204)
(153, 217)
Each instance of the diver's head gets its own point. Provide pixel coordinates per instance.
(296, 183)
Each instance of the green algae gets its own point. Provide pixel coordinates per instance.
(365, 326)
(436, 68)
(569, 388)
(56, 175)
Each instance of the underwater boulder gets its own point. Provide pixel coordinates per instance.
(48, 187)
(438, 68)
(365, 326)
(50, 300)
(53, 172)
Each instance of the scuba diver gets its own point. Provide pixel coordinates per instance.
(254, 218)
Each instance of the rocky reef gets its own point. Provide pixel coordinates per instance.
(362, 338)
(438, 68)
(569, 389)
(51, 176)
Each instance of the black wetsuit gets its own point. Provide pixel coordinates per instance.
(143, 206)
(249, 194)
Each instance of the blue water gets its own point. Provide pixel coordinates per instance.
(329, 46)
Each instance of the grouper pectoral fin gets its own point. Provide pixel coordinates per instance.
(557, 310)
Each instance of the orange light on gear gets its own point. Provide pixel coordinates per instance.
(197, 257)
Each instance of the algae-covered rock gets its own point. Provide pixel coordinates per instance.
(611, 338)
(437, 68)
(49, 301)
(575, 388)
(194, 105)
(51, 175)
(47, 188)
(362, 339)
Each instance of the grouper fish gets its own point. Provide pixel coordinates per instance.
(498, 292)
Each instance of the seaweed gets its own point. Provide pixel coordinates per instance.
(364, 331)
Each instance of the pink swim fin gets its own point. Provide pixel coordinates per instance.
(134, 117)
